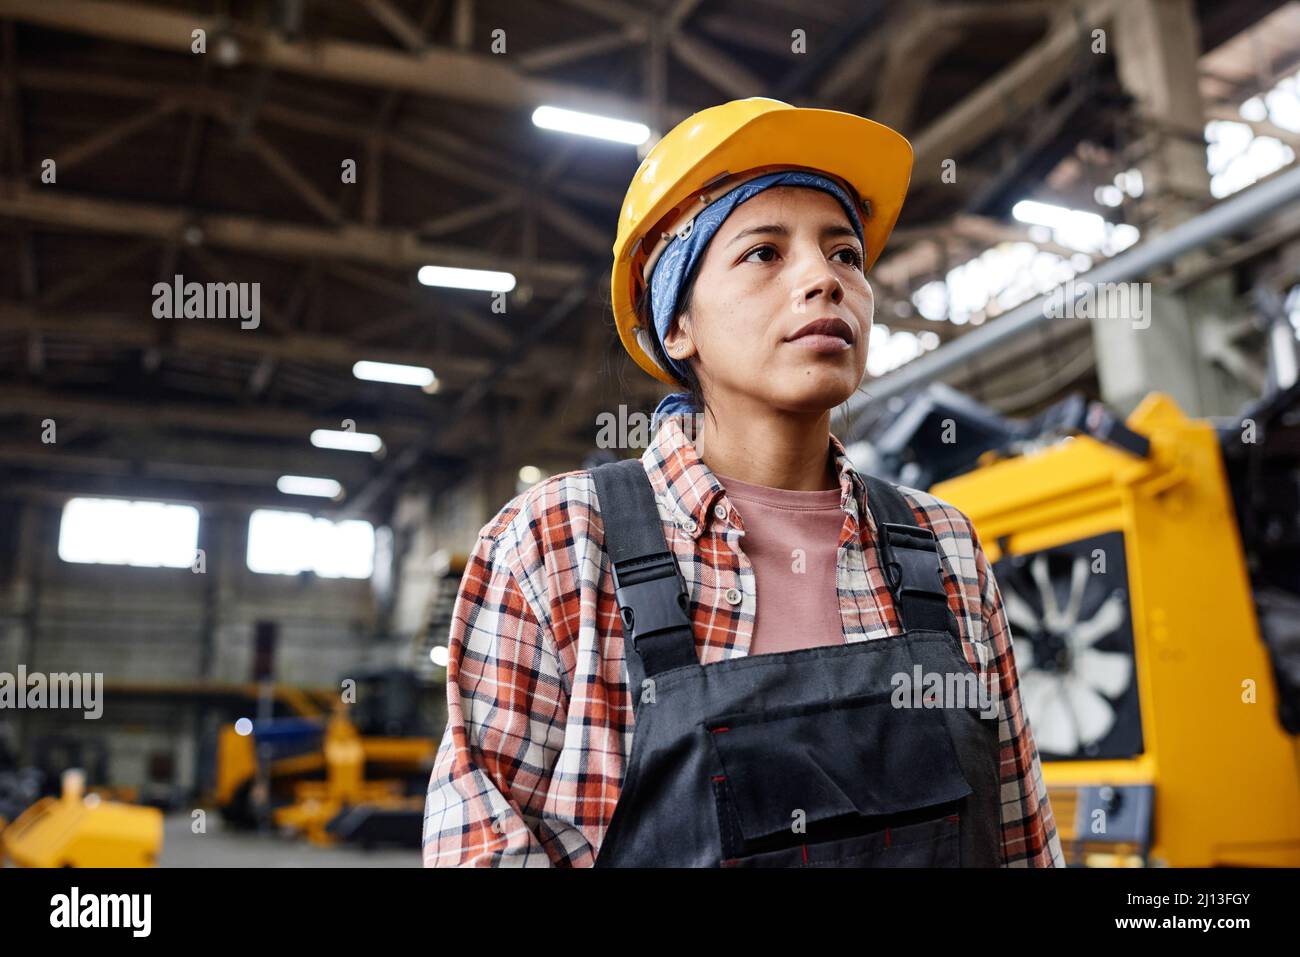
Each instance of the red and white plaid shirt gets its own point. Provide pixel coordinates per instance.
(539, 718)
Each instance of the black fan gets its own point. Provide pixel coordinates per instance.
(1072, 637)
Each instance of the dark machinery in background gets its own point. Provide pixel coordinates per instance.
(1261, 453)
(22, 785)
(918, 445)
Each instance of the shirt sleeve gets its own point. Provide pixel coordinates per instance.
(506, 711)
(1029, 837)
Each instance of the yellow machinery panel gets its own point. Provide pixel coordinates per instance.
(77, 830)
(1176, 757)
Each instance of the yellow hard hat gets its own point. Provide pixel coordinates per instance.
(714, 150)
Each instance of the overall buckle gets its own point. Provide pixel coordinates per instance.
(910, 558)
(651, 596)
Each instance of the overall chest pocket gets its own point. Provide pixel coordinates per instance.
(850, 783)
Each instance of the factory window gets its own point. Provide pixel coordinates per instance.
(110, 531)
(287, 543)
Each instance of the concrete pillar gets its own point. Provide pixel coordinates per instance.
(1157, 44)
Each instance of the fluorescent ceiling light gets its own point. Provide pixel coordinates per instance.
(347, 441)
(307, 485)
(589, 124)
(392, 372)
(1044, 214)
(453, 277)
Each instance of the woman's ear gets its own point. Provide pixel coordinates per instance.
(678, 343)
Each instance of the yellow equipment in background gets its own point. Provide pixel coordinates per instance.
(319, 803)
(80, 830)
(1142, 669)
(358, 775)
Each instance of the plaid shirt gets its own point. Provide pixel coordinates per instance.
(539, 717)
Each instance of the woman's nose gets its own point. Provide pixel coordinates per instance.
(819, 279)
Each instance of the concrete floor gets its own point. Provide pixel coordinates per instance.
(223, 847)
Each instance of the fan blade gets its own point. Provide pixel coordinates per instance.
(1035, 687)
(1046, 591)
(1053, 724)
(1105, 620)
(1094, 713)
(1022, 653)
(1019, 612)
(1079, 574)
(1106, 671)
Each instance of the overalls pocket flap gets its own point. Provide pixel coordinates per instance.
(855, 757)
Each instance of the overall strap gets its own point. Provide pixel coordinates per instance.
(909, 555)
(652, 599)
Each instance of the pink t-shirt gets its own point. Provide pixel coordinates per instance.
(792, 540)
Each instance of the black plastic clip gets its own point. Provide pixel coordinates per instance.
(910, 558)
(651, 596)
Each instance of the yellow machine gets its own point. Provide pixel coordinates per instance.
(318, 804)
(80, 830)
(358, 775)
(1141, 663)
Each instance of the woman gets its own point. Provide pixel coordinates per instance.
(626, 685)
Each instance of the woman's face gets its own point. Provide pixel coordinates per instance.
(781, 261)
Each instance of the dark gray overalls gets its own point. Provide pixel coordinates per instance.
(802, 758)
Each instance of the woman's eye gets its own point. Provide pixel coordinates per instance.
(855, 258)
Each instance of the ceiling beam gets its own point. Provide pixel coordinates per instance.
(1008, 96)
(494, 333)
(56, 488)
(710, 63)
(912, 52)
(395, 22)
(437, 71)
(73, 156)
(582, 48)
(78, 282)
(289, 174)
(206, 337)
(616, 11)
(394, 248)
(451, 429)
(223, 462)
(209, 417)
(443, 153)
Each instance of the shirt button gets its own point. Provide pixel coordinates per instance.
(690, 525)
(733, 596)
(720, 511)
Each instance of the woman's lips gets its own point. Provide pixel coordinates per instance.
(825, 336)
(821, 344)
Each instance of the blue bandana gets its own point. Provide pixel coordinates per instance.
(681, 254)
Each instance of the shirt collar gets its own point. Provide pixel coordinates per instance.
(680, 477)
